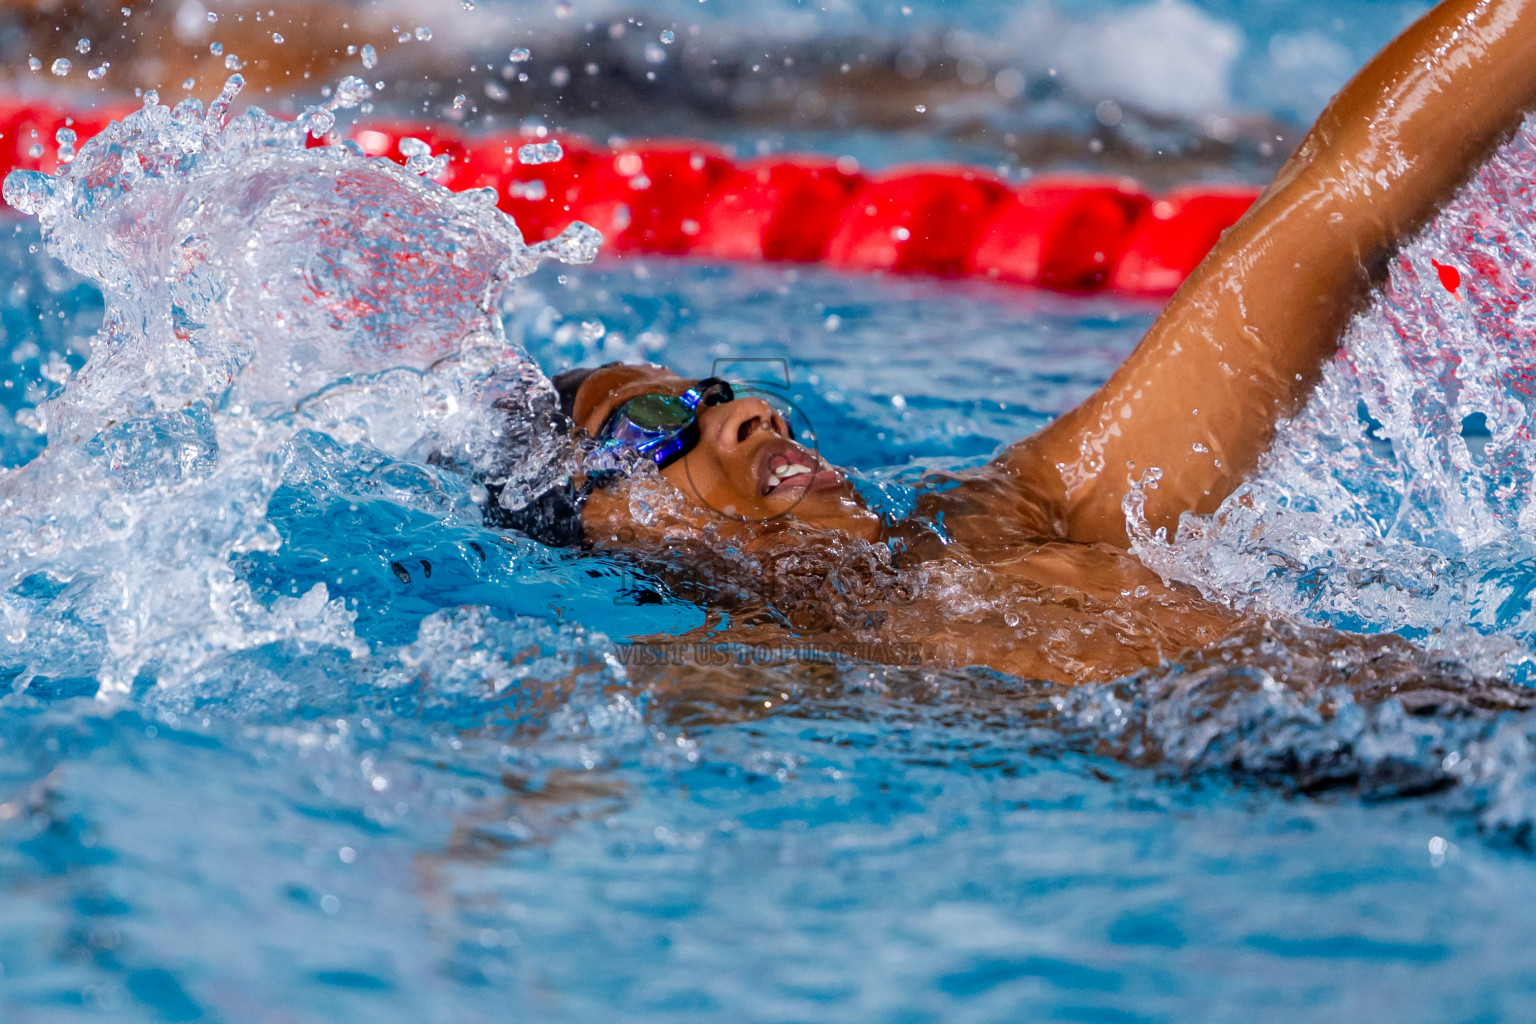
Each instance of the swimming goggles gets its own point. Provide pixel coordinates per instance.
(662, 428)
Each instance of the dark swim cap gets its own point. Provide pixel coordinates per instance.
(554, 517)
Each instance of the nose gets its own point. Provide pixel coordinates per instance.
(728, 426)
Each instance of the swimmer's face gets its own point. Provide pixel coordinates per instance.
(745, 472)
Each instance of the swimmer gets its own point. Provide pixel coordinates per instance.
(1022, 565)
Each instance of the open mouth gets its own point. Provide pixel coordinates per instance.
(784, 465)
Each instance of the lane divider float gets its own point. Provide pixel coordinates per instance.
(683, 198)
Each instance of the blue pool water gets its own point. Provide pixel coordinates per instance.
(286, 735)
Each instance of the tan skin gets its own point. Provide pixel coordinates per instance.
(1040, 531)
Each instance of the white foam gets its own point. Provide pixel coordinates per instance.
(1403, 526)
(254, 288)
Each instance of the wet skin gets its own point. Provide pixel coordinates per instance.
(1041, 529)
(1079, 611)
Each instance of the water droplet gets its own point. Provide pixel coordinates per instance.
(127, 11)
(34, 64)
(459, 101)
(96, 74)
(83, 46)
(921, 108)
(519, 55)
(35, 150)
(423, 33)
(578, 243)
(62, 67)
(189, 84)
(277, 37)
(534, 190)
(668, 36)
(215, 48)
(419, 159)
(654, 54)
(233, 63)
(469, 5)
(65, 137)
(350, 91)
(212, 17)
(370, 57)
(562, 9)
(28, 191)
(218, 110)
(540, 152)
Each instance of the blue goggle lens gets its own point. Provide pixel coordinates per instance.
(663, 427)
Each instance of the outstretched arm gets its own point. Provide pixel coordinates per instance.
(1243, 341)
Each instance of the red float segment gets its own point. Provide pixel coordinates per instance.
(26, 128)
(662, 189)
(780, 209)
(1059, 233)
(1174, 235)
(915, 222)
(682, 197)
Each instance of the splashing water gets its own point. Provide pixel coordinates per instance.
(1403, 496)
(260, 296)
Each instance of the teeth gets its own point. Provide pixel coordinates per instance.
(792, 470)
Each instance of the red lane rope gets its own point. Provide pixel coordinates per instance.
(1080, 234)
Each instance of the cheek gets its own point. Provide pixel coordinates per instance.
(700, 475)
